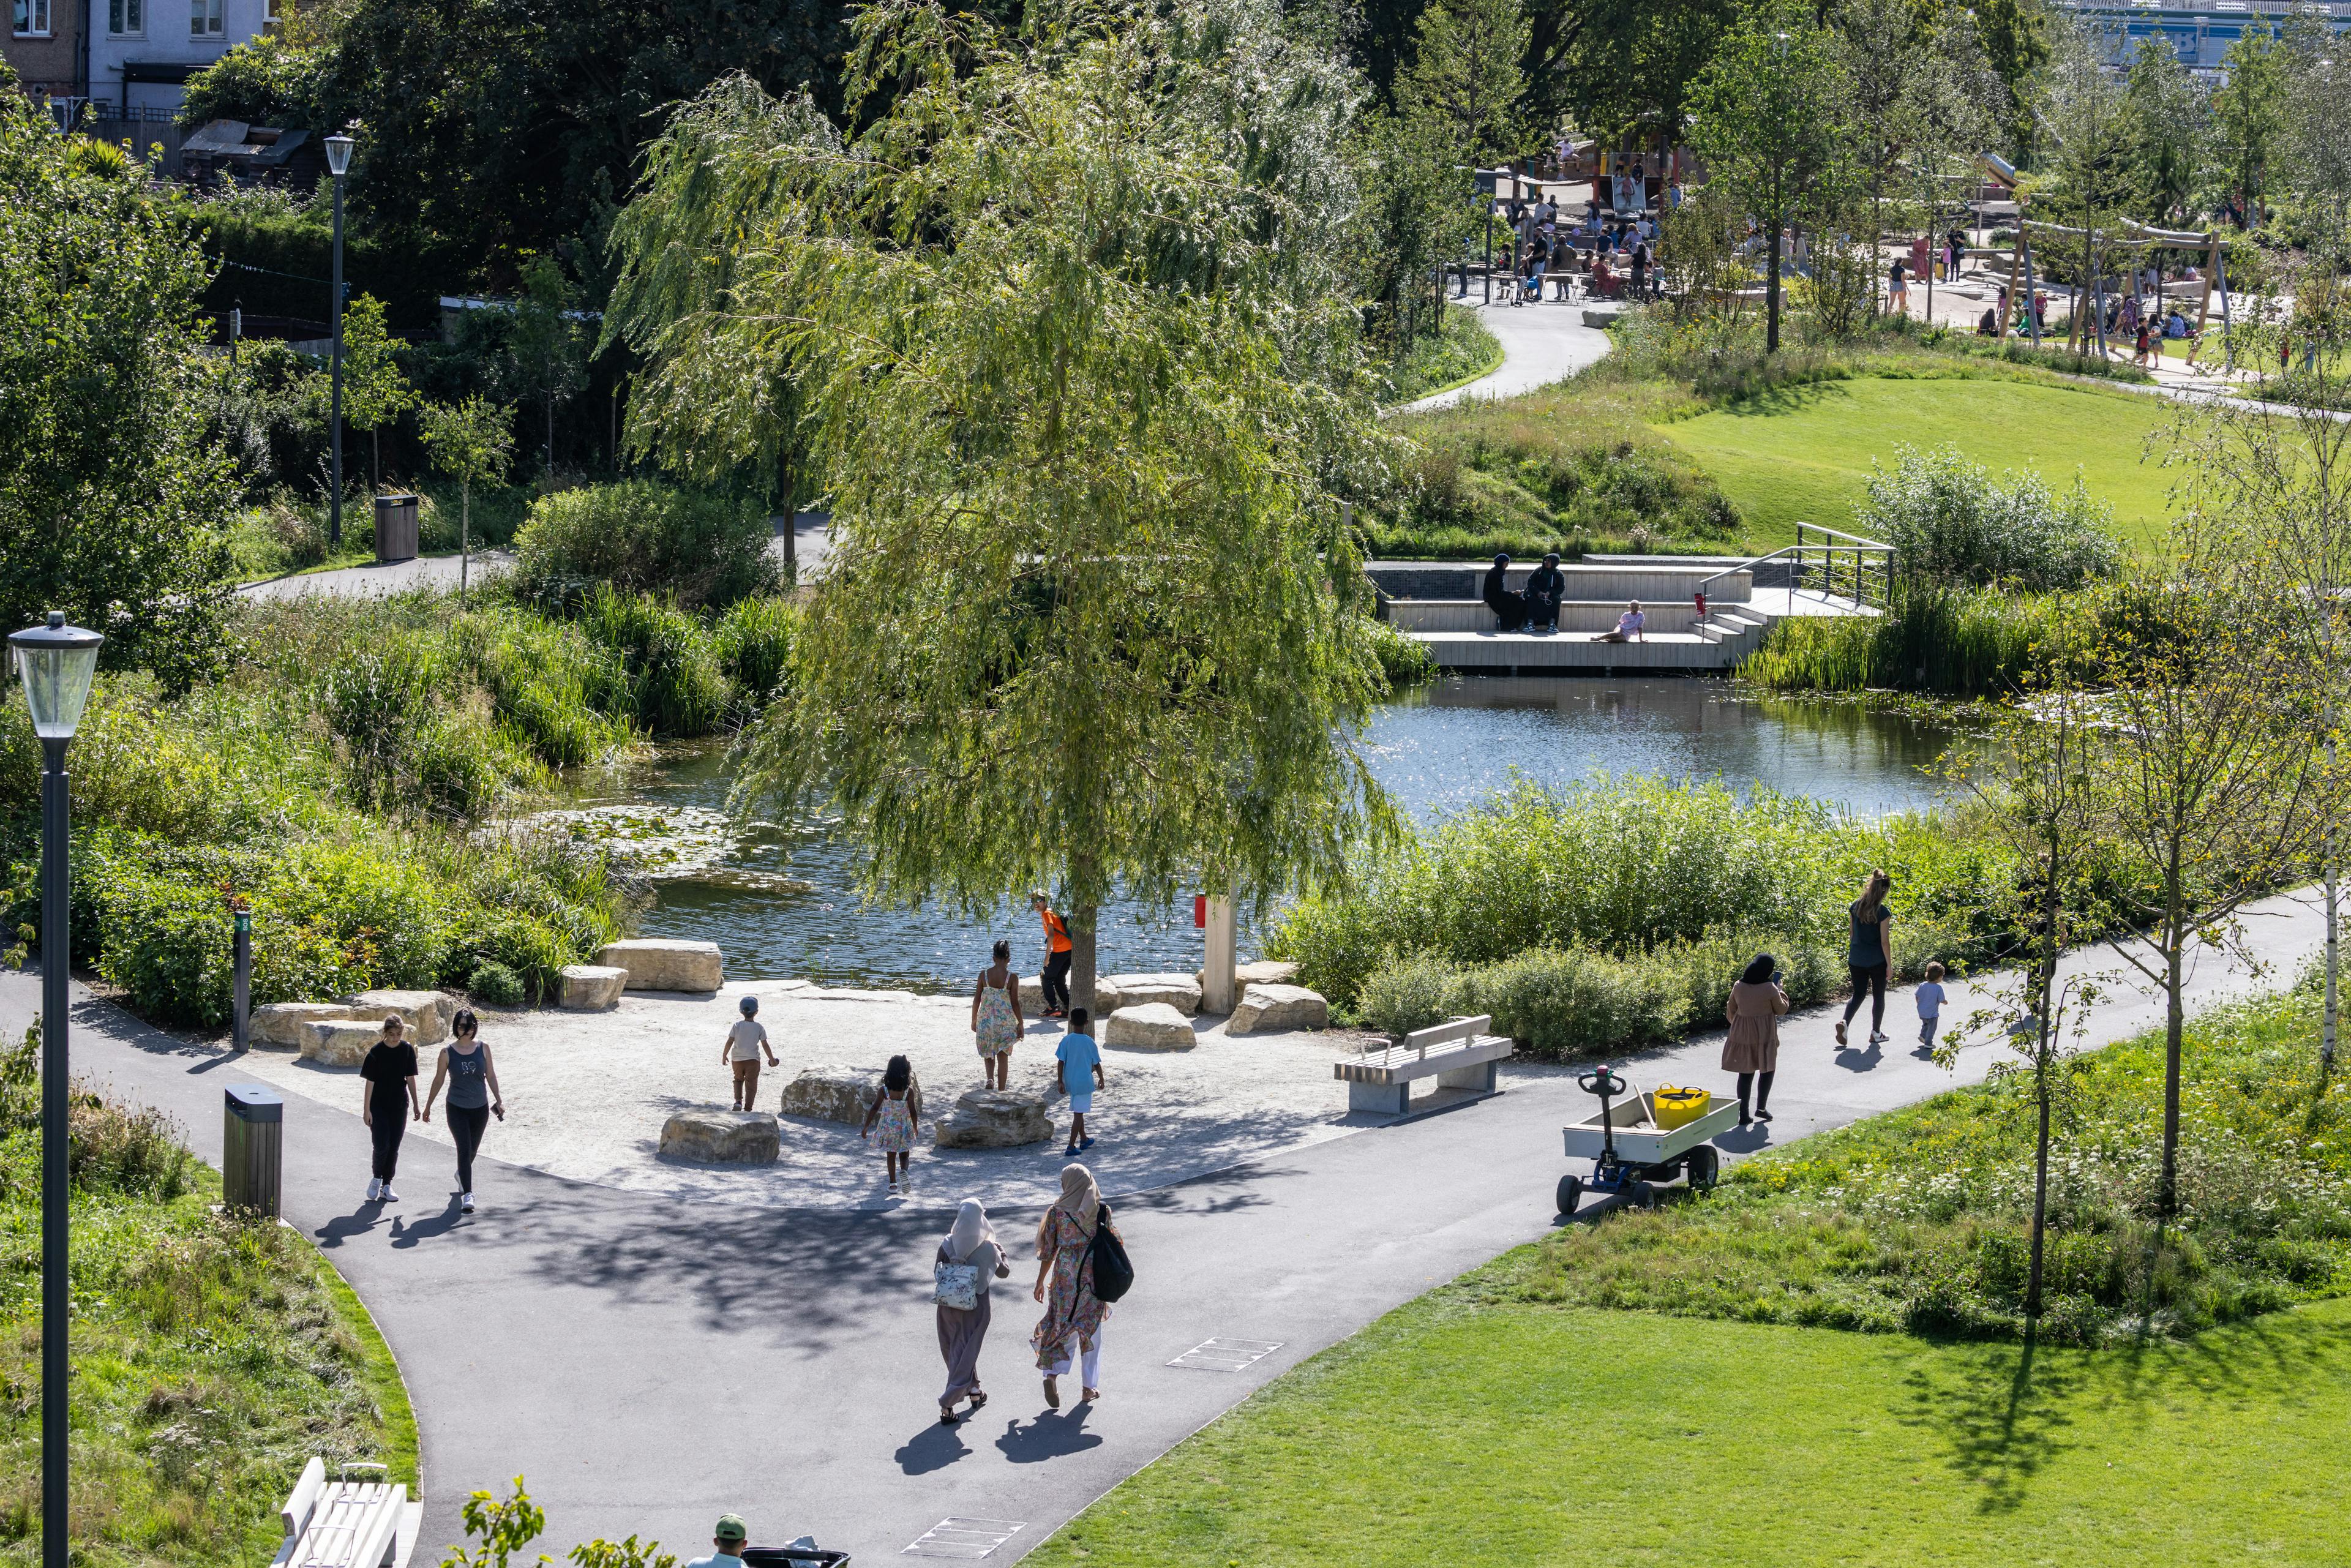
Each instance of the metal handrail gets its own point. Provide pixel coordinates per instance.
(1858, 546)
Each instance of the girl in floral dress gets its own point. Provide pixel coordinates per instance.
(996, 1018)
(1072, 1311)
(897, 1108)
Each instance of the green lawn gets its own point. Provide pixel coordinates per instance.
(1803, 454)
(1463, 1433)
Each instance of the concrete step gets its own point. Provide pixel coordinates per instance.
(1567, 652)
(1574, 615)
(1658, 580)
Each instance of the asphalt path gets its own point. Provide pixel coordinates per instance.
(648, 1365)
(1541, 344)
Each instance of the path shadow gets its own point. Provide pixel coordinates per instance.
(1053, 1436)
(359, 1222)
(1745, 1140)
(1864, 1059)
(431, 1228)
(934, 1448)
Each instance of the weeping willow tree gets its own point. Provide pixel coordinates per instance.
(1064, 331)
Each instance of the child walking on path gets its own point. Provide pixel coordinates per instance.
(1930, 1007)
(894, 1119)
(745, 1038)
(1078, 1055)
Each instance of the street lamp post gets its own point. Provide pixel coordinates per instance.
(57, 661)
(339, 162)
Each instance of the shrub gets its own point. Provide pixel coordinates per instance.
(496, 985)
(753, 643)
(670, 664)
(1404, 662)
(642, 536)
(1408, 994)
(1951, 522)
(1563, 1001)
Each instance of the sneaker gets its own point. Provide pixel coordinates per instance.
(1085, 1143)
(465, 1203)
(375, 1190)
(1761, 1114)
(1070, 1151)
(1876, 1038)
(387, 1195)
(1840, 1033)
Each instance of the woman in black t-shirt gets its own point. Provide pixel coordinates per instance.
(387, 1101)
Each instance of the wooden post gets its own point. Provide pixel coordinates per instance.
(1217, 990)
(2015, 266)
(2211, 260)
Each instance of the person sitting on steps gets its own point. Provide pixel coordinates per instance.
(1628, 625)
(1510, 606)
(1546, 586)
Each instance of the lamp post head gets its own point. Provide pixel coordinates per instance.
(338, 153)
(57, 662)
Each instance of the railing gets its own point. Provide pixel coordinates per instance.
(1863, 568)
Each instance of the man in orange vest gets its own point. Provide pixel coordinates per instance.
(1056, 976)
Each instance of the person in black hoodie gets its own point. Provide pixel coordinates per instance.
(1510, 608)
(1546, 586)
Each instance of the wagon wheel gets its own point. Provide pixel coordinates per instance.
(1705, 1167)
(1640, 1195)
(1569, 1193)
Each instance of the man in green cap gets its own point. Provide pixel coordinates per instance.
(728, 1541)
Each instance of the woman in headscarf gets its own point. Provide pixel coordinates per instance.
(1752, 1047)
(972, 1242)
(1072, 1311)
(1510, 608)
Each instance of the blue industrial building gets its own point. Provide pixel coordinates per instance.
(2202, 31)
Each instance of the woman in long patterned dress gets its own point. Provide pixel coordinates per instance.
(1072, 1311)
(963, 1330)
(894, 1118)
(996, 1018)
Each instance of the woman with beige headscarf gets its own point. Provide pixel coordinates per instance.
(1072, 1311)
(962, 1329)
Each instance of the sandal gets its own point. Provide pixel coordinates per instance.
(1087, 1396)
(1052, 1392)
(977, 1399)
(946, 1417)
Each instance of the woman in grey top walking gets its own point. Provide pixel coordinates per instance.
(474, 1097)
(963, 1330)
(1869, 952)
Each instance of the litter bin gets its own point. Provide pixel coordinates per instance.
(253, 1142)
(395, 528)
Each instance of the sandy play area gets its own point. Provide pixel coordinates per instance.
(587, 1093)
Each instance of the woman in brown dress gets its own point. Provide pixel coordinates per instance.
(1752, 1050)
(963, 1330)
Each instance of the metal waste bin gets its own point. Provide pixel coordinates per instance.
(253, 1143)
(395, 528)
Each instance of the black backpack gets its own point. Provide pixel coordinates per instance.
(1114, 1275)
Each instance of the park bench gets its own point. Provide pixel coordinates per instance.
(347, 1524)
(1458, 1055)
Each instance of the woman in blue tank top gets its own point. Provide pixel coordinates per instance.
(472, 1080)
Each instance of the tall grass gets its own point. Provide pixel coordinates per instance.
(1956, 641)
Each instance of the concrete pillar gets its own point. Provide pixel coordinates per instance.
(1217, 988)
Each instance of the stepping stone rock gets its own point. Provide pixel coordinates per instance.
(992, 1119)
(1154, 1026)
(426, 1013)
(666, 963)
(1269, 1009)
(280, 1024)
(722, 1137)
(589, 988)
(339, 1042)
(829, 1095)
(1181, 992)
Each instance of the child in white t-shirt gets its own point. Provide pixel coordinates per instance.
(1930, 1005)
(747, 1039)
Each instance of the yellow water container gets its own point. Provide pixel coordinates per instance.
(1679, 1107)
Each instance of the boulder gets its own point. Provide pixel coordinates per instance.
(722, 1137)
(1181, 992)
(1154, 1026)
(589, 988)
(1266, 971)
(1266, 1008)
(280, 1024)
(829, 1095)
(426, 1013)
(992, 1119)
(339, 1042)
(667, 965)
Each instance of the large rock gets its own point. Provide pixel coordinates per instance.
(589, 988)
(661, 964)
(1154, 1026)
(1265, 972)
(426, 1013)
(831, 1094)
(722, 1137)
(1181, 992)
(339, 1042)
(1266, 1008)
(992, 1119)
(280, 1024)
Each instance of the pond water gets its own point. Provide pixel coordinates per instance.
(780, 897)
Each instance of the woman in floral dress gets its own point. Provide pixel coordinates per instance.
(1072, 1311)
(897, 1111)
(996, 1018)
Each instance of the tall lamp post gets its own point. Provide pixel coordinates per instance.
(338, 162)
(57, 661)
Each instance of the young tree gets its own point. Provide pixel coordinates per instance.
(2084, 112)
(2249, 119)
(1919, 89)
(1082, 374)
(546, 343)
(2317, 139)
(1772, 122)
(471, 441)
(1465, 74)
(374, 391)
(2171, 129)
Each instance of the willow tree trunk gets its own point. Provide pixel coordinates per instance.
(1082, 959)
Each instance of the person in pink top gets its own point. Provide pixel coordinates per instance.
(1628, 626)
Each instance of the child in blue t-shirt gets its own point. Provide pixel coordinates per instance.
(1079, 1052)
(1930, 1005)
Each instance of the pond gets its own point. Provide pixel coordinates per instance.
(780, 899)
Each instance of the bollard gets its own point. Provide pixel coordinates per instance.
(244, 996)
(253, 1142)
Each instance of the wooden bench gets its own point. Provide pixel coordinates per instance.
(1458, 1055)
(347, 1524)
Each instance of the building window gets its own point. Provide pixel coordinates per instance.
(32, 18)
(272, 13)
(126, 18)
(204, 18)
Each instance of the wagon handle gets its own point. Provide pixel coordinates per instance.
(1603, 1082)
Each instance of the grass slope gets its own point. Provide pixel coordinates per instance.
(1470, 1435)
(1803, 454)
